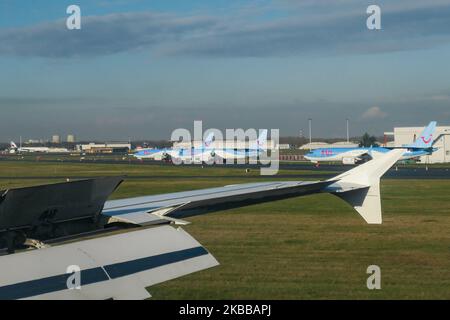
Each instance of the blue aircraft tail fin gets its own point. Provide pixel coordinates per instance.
(425, 140)
(207, 143)
(261, 142)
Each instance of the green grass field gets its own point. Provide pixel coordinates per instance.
(314, 247)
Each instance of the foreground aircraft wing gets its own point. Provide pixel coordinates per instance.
(114, 267)
(180, 205)
(66, 248)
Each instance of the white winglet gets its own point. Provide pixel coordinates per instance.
(360, 187)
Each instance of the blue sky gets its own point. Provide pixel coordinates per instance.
(139, 69)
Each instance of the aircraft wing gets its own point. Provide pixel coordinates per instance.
(179, 205)
(118, 266)
(360, 153)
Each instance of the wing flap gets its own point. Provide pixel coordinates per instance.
(141, 218)
(146, 217)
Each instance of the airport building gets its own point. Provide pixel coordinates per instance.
(407, 135)
(104, 147)
(283, 146)
(56, 139)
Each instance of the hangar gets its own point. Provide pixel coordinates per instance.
(406, 135)
(104, 147)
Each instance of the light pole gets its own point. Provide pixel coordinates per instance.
(310, 132)
(348, 135)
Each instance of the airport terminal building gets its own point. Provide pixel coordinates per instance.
(406, 135)
(104, 147)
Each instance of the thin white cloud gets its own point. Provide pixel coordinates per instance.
(374, 113)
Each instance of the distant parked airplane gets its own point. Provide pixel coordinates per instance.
(422, 146)
(150, 153)
(183, 155)
(207, 152)
(15, 149)
(255, 149)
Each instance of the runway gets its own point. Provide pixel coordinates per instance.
(324, 171)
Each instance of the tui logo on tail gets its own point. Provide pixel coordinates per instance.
(428, 140)
(425, 140)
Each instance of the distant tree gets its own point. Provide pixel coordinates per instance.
(367, 141)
